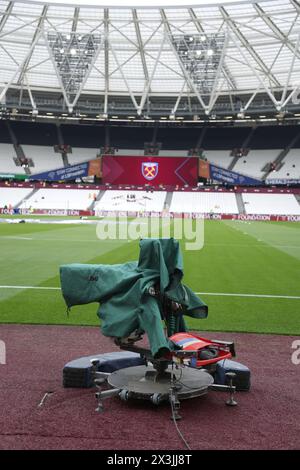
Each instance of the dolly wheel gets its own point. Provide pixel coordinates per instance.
(124, 395)
(156, 398)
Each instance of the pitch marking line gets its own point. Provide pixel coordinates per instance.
(250, 295)
(30, 287)
(17, 238)
(225, 294)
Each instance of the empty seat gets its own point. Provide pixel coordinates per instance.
(13, 196)
(131, 201)
(65, 199)
(203, 202)
(274, 204)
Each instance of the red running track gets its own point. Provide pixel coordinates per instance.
(267, 417)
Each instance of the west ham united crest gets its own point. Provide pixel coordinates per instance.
(149, 170)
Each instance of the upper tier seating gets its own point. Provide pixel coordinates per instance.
(130, 137)
(131, 201)
(290, 168)
(220, 138)
(178, 139)
(253, 163)
(274, 204)
(204, 202)
(270, 137)
(34, 133)
(44, 158)
(80, 155)
(7, 164)
(219, 157)
(83, 135)
(4, 134)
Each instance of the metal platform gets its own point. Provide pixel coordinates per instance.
(145, 382)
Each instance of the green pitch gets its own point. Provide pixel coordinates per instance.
(250, 258)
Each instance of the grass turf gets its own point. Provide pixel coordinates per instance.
(237, 257)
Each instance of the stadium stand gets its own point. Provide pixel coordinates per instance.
(253, 163)
(179, 138)
(218, 138)
(13, 196)
(83, 135)
(146, 201)
(131, 201)
(266, 144)
(219, 157)
(266, 137)
(274, 204)
(60, 199)
(4, 134)
(44, 158)
(204, 203)
(7, 164)
(290, 168)
(130, 137)
(32, 133)
(80, 154)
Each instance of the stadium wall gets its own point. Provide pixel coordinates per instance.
(104, 187)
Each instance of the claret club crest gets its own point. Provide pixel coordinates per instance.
(149, 170)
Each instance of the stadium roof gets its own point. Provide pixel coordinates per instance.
(199, 55)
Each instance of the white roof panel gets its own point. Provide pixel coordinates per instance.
(261, 45)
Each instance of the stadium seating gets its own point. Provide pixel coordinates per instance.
(134, 137)
(4, 134)
(178, 139)
(80, 155)
(253, 163)
(61, 199)
(7, 164)
(130, 137)
(220, 138)
(219, 157)
(83, 135)
(13, 196)
(137, 201)
(33, 133)
(44, 158)
(204, 202)
(290, 168)
(268, 137)
(274, 204)
(131, 201)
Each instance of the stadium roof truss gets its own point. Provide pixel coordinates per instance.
(196, 55)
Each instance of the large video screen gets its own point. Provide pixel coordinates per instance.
(150, 170)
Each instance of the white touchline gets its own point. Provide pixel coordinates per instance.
(198, 293)
(17, 238)
(250, 295)
(30, 287)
